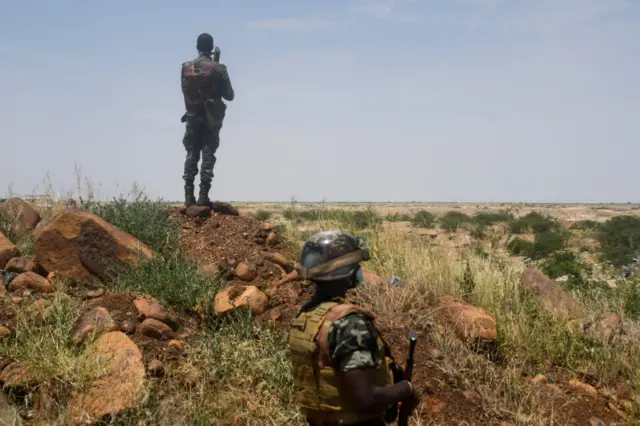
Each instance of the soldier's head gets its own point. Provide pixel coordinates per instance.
(205, 43)
(331, 260)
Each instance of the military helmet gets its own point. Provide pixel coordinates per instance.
(331, 255)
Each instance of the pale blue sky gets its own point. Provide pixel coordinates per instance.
(426, 100)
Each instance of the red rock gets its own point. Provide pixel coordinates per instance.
(4, 331)
(198, 211)
(372, 278)
(549, 294)
(7, 251)
(272, 239)
(246, 271)
(240, 297)
(539, 379)
(31, 281)
(93, 294)
(266, 226)
(292, 276)
(176, 344)
(96, 321)
(155, 329)
(150, 307)
(278, 259)
(17, 374)
(19, 265)
(127, 327)
(81, 245)
(121, 387)
(469, 321)
(21, 215)
(583, 388)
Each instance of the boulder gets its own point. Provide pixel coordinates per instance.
(279, 260)
(120, 387)
(471, 322)
(605, 326)
(21, 215)
(272, 238)
(19, 265)
(31, 281)
(96, 321)
(292, 276)
(81, 245)
(224, 208)
(155, 329)
(7, 251)
(246, 271)
(197, 211)
(548, 293)
(17, 375)
(240, 297)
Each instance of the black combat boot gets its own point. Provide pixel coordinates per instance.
(203, 197)
(189, 198)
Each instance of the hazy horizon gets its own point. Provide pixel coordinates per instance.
(471, 101)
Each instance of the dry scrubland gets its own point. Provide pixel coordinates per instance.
(543, 366)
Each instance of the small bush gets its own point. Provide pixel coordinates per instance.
(398, 217)
(146, 220)
(620, 240)
(423, 219)
(544, 245)
(451, 221)
(263, 215)
(585, 225)
(362, 219)
(570, 264)
(520, 247)
(173, 280)
(533, 222)
(488, 219)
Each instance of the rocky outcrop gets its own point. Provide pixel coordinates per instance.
(96, 321)
(81, 245)
(31, 281)
(7, 251)
(470, 322)
(240, 297)
(120, 387)
(549, 294)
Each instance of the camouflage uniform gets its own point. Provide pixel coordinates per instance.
(204, 84)
(352, 343)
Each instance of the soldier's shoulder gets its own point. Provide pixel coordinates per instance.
(356, 327)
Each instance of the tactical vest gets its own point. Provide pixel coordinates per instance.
(319, 389)
(198, 82)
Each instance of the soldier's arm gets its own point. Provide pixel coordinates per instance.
(352, 342)
(226, 89)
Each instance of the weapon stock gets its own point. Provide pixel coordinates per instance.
(403, 420)
(216, 54)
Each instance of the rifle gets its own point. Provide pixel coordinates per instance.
(216, 54)
(408, 372)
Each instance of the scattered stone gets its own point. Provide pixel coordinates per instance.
(272, 239)
(7, 251)
(155, 329)
(8, 415)
(266, 226)
(470, 395)
(81, 245)
(19, 265)
(21, 215)
(31, 281)
(4, 331)
(96, 321)
(436, 353)
(581, 387)
(156, 368)
(150, 307)
(549, 293)
(17, 375)
(198, 211)
(279, 260)
(469, 321)
(93, 294)
(395, 281)
(127, 327)
(119, 389)
(540, 379)
(224, 208)
(246, 271)
(176, 344)
(562, 279)
(595, 421)
(606, 326)
(240, 297)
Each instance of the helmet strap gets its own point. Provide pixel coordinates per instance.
(333, 265)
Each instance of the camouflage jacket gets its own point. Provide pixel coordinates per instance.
(203, 79)
(352, 343)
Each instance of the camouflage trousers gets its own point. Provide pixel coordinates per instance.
(199, 137)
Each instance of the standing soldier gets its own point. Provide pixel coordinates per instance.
(342, 368)
(205, 82)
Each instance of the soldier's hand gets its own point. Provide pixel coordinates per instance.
(411, 403)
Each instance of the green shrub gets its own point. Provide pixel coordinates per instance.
(146, 220)
(398, 217)
(423, 219)
(585, 225)
(620, 239)
(545, 244)
(488, 218)
(263, 215)
(452, 220)
(520, 247)
(533, 222)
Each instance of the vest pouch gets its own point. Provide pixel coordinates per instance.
(214, 112)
